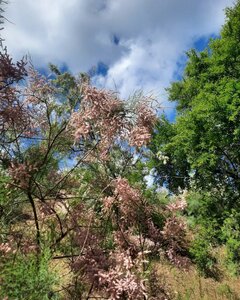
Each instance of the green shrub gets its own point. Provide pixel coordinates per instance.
(231, 234)
(200, 251)
(27, 278)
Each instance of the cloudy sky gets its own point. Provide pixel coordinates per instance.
(130, 44)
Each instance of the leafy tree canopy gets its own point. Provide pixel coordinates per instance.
(204, 141)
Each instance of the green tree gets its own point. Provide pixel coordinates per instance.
(204, 141)
(200, 150)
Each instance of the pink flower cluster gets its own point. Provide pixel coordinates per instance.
(132, 211)
(139, 136)
(21, 173)
(127, 198)
(103, 115)
(179, 205)
(124, 191)
(12, 245)
(99, 113)
(178, 260)
(7, 247)
(141, 133)
(174, 235)
(120, 282)
(13, 116)
(39, 88)
(173, 228)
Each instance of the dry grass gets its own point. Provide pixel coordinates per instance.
(189, 285)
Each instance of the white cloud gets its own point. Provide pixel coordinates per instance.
(153, 36)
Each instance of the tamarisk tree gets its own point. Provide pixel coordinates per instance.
(68, 150)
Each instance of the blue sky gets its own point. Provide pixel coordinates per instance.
(126, 44)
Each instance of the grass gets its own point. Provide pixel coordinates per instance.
(189, 285)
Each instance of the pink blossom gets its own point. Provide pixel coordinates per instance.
(139, 136)
(103, 115)
(179, 205)
(121, 280)
(108, 203)
(21, 173)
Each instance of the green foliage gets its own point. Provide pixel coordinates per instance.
(204, 208)
(225, 290)
(11, 204)
(201, 254)
(28, 277)
(70, 93)
(231, 234)
(200, 151)
(169, 162)
(204, 140)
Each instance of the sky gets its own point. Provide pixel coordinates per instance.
(127, 45)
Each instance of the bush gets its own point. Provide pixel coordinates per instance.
(201, 255)
(231, 234)
(25, 278)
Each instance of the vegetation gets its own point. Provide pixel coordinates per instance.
(77, 217)
(202, 146)
(67, 151)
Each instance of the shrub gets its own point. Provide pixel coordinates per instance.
(231, 233)
(201, 255)
(28, 278)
